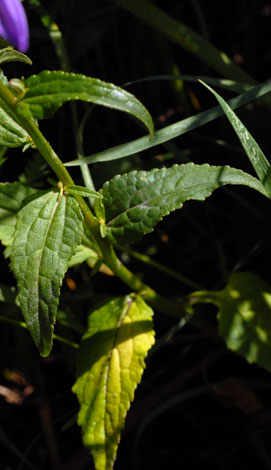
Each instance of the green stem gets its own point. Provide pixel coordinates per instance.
(160, 267)
(21, 324)
(38, 138)
(105, 249)
(150, 295)
(63, 57)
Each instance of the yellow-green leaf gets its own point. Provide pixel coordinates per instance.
(110, 365)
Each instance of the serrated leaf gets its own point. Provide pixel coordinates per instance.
(245, 318)
(110, 365)
(82, 191)
(257, 158)
(8, 54)
(11, 133)
(48, 91)
(135, 202)
(48, 230)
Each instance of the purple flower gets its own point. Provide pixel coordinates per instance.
(13, 24)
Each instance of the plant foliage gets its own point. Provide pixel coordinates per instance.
(59, 225)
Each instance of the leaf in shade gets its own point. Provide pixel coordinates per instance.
(11, 133)
(244, 316)
(135, 202)
(12, 196)
(110, 366)
(48, 230)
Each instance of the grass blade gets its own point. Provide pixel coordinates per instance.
(174, 130)
(185, 37)
(224, 83)
(257, 158)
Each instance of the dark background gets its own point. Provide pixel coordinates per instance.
(198, 403)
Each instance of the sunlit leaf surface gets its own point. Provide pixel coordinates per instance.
(110, 365)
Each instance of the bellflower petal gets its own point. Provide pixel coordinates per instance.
(13, 24)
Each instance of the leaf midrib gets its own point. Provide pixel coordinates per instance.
(120, 322)
(42, 248)
(146, 201)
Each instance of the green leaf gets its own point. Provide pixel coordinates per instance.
(172, 131)
(12, 196)
(48, 91)
(7, 227)
(135, 202)
(259, 161)
(81, 191)
(185, 37)
(226, 84)
(48, 230)
(11, 133)
(83, 253)
(3, 78)
(110, 365)
(8, 54)
(245, 318)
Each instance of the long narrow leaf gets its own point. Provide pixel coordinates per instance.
(224, 83)
(174, 130)
(185, 37)
(257, 158)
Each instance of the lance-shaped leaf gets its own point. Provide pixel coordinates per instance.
(81, 191)
(11, 133)
(135, 202)
(48, 230)
(173, 130)
(48, 91)
(257, 158)
(110, 365)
